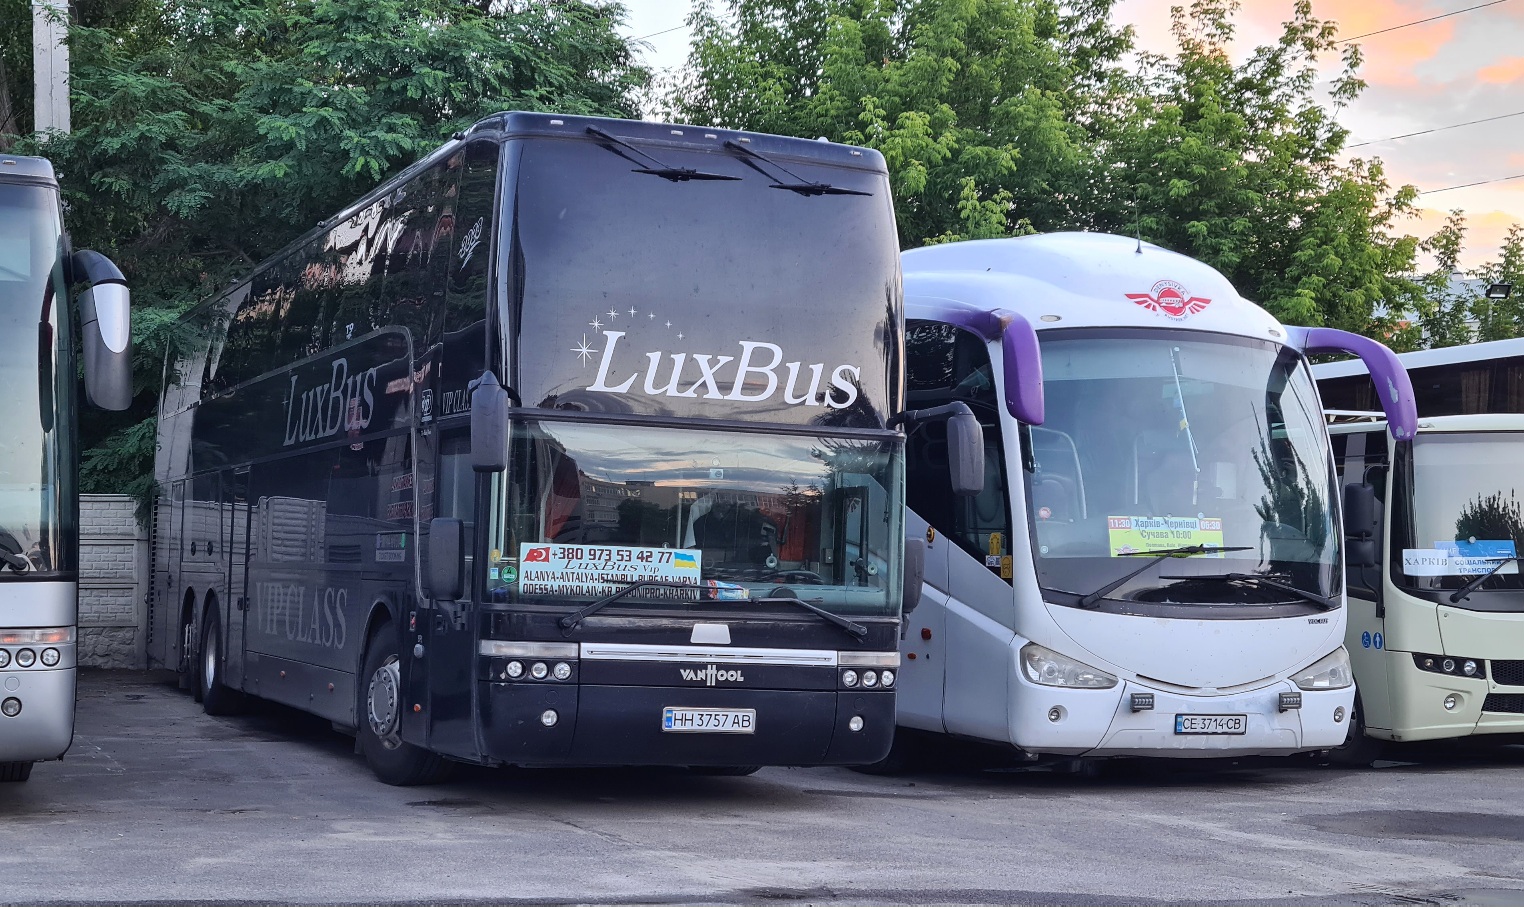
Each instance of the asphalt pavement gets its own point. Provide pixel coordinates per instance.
(157, 802)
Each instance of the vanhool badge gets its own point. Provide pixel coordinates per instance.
(1170, 299)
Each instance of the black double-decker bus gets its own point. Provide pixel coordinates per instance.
(571, 444)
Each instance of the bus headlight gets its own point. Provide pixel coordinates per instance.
(26, 658)
(1331, 672)
(5, 658)
(1047, 668)
(50, 657)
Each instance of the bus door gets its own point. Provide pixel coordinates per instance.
(1363, 457)
(447, 629)
(236, 521)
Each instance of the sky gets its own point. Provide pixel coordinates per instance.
(1464, 67)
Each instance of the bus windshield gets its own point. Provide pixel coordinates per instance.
(590, 508)
(37, 374)
(1466, 512)
(1183, 441)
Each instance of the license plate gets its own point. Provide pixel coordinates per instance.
(709, 721)
(1211, 724)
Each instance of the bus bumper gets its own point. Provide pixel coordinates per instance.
(1419, 697)
(622, 725)
(1104, 723)
(45, 726)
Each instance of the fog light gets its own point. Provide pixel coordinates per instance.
(11, 707)
(1338, 714)
(1451, 702)
(561, 671)
(549, 717)
(849, 678)
(856, 723)
(1056, 713)
(538, 670)
(26, 658)
(870, 679)
(50, 657)
(5, 657)
(1469, 668)
(515, 670)
(886, 678)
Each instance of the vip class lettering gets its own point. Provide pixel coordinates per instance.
(284, 611)
(759, 374)
(344, 402)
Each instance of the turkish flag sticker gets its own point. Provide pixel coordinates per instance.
(537, 556)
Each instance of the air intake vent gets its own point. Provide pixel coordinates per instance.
(1508, 673)
(1511, 703)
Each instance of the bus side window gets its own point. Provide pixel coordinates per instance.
(1361, 457)
(945, 364)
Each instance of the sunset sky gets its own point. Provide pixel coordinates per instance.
(1465, 67)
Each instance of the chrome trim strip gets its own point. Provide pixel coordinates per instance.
(730, 655)
(868, 659)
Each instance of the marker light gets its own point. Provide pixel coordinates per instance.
(1331, 672)
(849, 678)
(1050, 669)
(50, 657)
(549, 717)
(11, 707)
(26, 658)
(856, 723)
(538, 670)
(515, 670)
(561, 671)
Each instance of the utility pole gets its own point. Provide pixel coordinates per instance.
(50, 62)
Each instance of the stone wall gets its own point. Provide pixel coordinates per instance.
(113, 582)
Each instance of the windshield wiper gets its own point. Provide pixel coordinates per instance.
(1464, 591)
(661, 169)
(857, 630)
(1327, 603)
(800, 184)
(1160, 555)
(571, 620)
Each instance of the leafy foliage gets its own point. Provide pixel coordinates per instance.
(208, 135)
(1492, 517)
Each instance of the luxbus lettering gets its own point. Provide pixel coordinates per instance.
(283, 611)
(343, 402)
(756, 376)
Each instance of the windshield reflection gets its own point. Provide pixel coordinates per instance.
(1467, 511)
(34, 340)
(1162, 440)
(591, 507)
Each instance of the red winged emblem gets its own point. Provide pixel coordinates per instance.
(1171, 299)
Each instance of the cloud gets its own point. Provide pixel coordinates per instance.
(1503, 73)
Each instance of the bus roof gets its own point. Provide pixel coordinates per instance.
(1450, 355)
(1484, 422)
(16, 168)
(1062, 280)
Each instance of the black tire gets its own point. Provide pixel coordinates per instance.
(906, 754)
(725, 771)
(394, 761)
(15, 771)
(1359, 749)
(216, 698)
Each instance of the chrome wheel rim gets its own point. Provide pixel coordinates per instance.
(209, 662)
(383, 703)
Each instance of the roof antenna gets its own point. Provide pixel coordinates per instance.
(1137, 219)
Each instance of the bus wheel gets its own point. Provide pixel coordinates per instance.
(1359, 749)
(216, 698)
(393, 760)
(15, 771)
(725, 771)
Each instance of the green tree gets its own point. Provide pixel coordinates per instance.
(1492, 518)
(1446, 301)
(208, 135)
(1501, 319)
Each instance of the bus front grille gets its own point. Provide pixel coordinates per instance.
(1508, 673)
(1504, 702)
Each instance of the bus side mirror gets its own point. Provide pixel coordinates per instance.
(1360, 525)
(965, 453)
(489, 424)
(105, 321)
(915, 573)
(447, 546)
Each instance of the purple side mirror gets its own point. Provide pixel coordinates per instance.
(1392, 385)
(1018, 348)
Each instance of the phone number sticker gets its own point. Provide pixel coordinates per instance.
(593, 570)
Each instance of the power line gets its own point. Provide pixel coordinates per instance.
(1501, 179)
(1408, 135)
(1420, 21)
(662, 32)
